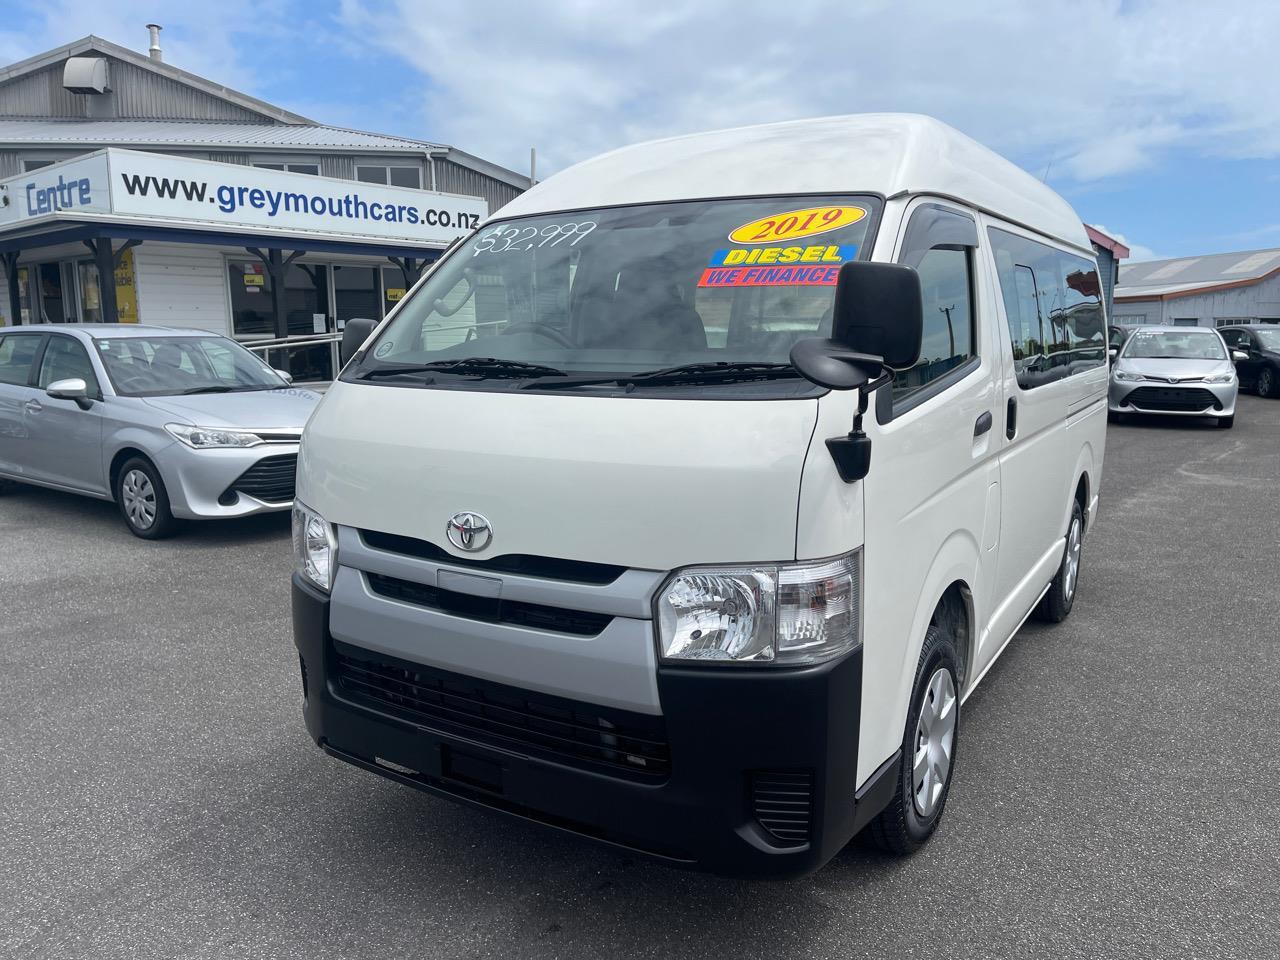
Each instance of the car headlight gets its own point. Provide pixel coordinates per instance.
(1225, 377)
(783, 614)
(315, 549)
(203, 438)
(1126, 376)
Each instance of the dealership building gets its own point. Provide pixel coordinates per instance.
(134, 191)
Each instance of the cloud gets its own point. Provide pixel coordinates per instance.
(1087, 89)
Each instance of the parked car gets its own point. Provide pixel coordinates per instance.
(1174, 371)
(168, 423)
(618, 557)
(1258, 367)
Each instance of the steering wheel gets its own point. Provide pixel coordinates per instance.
(540, 328)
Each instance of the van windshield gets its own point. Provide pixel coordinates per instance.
(627, 291)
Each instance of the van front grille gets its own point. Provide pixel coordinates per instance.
(515, 613)
(271, 479)
(782, 802)
(1173, 399)
(581, 734)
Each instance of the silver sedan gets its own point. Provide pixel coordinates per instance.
(1173, 371)
(167, 423)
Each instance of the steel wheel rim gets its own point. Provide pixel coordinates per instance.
(1264, 383)
(139, 498)
(1071, 569)
(935, 741)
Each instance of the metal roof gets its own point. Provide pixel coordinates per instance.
(201, 133)
(892, 154)
(92, 44)
(1187, 275)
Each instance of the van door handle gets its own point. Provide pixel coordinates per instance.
(1011, 418)
(982, 424)
(35, 406)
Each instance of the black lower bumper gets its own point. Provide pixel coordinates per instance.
(747, 747)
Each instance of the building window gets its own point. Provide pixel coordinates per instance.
(1186, 322)
(311, 168)
(29, 165)
(392, 176)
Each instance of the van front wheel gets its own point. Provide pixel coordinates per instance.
(928, 752)
(1056, 604)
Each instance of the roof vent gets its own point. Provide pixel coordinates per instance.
(154, 50)
(85, 75)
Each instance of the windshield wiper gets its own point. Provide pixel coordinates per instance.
(480, 366)
(720, 371)
(212, 388)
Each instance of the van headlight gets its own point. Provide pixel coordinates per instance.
(785, 614)
(315, 549)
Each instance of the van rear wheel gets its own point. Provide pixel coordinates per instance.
(928, 752)
(1056, 604)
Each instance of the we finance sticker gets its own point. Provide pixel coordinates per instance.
(816, 265)
(795, 224)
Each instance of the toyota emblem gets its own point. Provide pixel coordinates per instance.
(469, 531)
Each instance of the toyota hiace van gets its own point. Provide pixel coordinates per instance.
(683, 504)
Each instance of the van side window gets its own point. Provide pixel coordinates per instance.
(1053, 305)
(939, 244)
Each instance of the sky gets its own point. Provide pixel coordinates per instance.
(1158, 120)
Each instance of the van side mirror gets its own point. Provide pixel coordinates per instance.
(877, 325)
(354, 334)
(73, 388)
(877, 322)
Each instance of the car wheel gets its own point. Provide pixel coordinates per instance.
(1056, 604)
(1266, 384)
(1226, 423)
(928, 752)
(143, 500)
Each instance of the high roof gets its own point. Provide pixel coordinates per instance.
(888, 153)
(1184, 276)
(202, 133)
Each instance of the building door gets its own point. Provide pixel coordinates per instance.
(55, 293)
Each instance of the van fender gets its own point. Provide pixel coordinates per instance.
(1084, 467)
(956, 560)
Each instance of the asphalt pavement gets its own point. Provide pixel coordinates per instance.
(1115, 796)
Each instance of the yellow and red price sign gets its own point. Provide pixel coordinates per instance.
(796, 223)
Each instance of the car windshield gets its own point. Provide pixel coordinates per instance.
(628, 290)
(166, 366)
(1175, 345)
(1270, 339)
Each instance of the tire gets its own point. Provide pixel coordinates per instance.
(1226, 423)
(143, 500)
(1266, 383)
(912, 815)
(1055, 605)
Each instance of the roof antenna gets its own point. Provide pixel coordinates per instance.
(1044, 178)
(154, 50)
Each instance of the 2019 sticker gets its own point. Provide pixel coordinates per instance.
(794, 224)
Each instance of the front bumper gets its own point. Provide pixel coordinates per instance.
(1188, 399)
(200, 482)
(733, 735)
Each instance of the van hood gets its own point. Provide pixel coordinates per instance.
(284, 409)
(643, 483)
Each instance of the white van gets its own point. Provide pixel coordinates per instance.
(683, 503)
